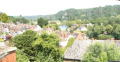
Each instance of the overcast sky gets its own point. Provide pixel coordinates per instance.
(45, 7)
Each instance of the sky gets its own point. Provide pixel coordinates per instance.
(46, 7)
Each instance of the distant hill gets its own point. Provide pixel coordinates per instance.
(33, 17)
(84, 14)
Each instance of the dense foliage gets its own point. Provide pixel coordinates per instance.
(40, 48)
(99, 52)
(42, 22)
(83, 14)
(21, 57)
(20, 20)
(54, 26)
(70, 42)
(4, 17)
(108, 27)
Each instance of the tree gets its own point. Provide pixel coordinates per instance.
(47, 47)
(39, 48)
(70, 42)
(95, 53)
(48, 40)
(25, 39)
(104, 37)
(20, 20)
(96, 30)
(4, 17)
(109, 29)
(116, 31)
(102, 52)
(113, 52)
(54, 26)
(23, 42)
(21, 57)
(42, 22)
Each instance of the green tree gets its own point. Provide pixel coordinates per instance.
(47, 47)
(20, 20)
(21, 57)
(96, 30)
(102, 52)
(25, 39)
(4, 17)
(104, 37)
(39, 47)
(70, 42)
(54, 26)
(109, 29)
(113, 52)
(95, 53)
(116, 31)
(23, 42)
(42, 22)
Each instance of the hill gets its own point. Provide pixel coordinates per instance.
(83, 14)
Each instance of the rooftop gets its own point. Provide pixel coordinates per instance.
(4, 50)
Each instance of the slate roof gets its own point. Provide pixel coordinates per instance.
(77, 50)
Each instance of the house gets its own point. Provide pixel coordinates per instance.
(49, 30)
(15, 29)
(63, 27)
(64, 38)
(89, 24)
(7, 54)
(82, 28)
(80, 36)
